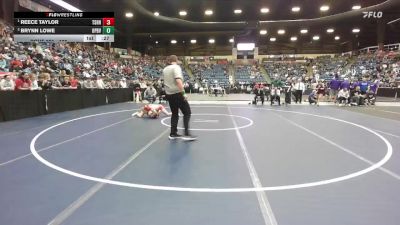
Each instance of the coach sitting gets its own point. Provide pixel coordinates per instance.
(276, 95)
(344, 96)
(150, 94)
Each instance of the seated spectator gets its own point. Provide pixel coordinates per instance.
(370, 97)
(352, 87)
(88, 83)
(74, 82)
(100, 83)
(150, 94)
(276, 95)
(312, 98)
(162, 95)
(122, 83)
(344, 96)
(23, 83)
(114, 84)
(44, 81)
(7, 84)
(3, 64)
(16, 64)
(66, 83)
(358, 97)
(55, 83)
(35, 85)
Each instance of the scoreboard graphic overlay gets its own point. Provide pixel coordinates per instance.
(64, 26)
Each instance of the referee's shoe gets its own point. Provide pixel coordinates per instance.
(185, 137)
(189, 138)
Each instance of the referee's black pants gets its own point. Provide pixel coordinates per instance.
(176, 102)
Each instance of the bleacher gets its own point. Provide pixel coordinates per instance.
(248, 74)
(211, 74)
(283, 70)
(327, 66)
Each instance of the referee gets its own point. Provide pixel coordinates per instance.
(175, 94)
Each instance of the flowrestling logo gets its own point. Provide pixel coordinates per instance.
(373, 14)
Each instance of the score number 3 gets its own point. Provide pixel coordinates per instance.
(108, 21)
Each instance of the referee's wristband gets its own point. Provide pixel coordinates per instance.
(183, 93)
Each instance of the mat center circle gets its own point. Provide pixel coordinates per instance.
(213, 122)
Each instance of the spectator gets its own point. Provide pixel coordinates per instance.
(16, 64)
(137, 92)
(100, 83)
(344, 96)
(150, 94)
(122, 83)
(55, 83)
(358, 97)
(373, 87)
(370, 97)
(114, 84)
(7, 84)
(34, 82)
(299, 88)
(66, 83)
(352, 87)
(74, 82)
(364, 85)
(23, 83)
(312, 98)
(276, 95)
(3, 64)
(320, 91)
(334, 86)
(267, 92)
(88, 83)
(259, 92)
(44, 81)
(345, 84)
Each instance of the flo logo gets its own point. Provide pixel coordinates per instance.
(371, 14)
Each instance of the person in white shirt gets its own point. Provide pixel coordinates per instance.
(276, 95)
(344, 96)
(196, 87)
(7, 84)
(316, 77)
(35, 85)
(100, 83)
(299, 88)
(122, 83)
